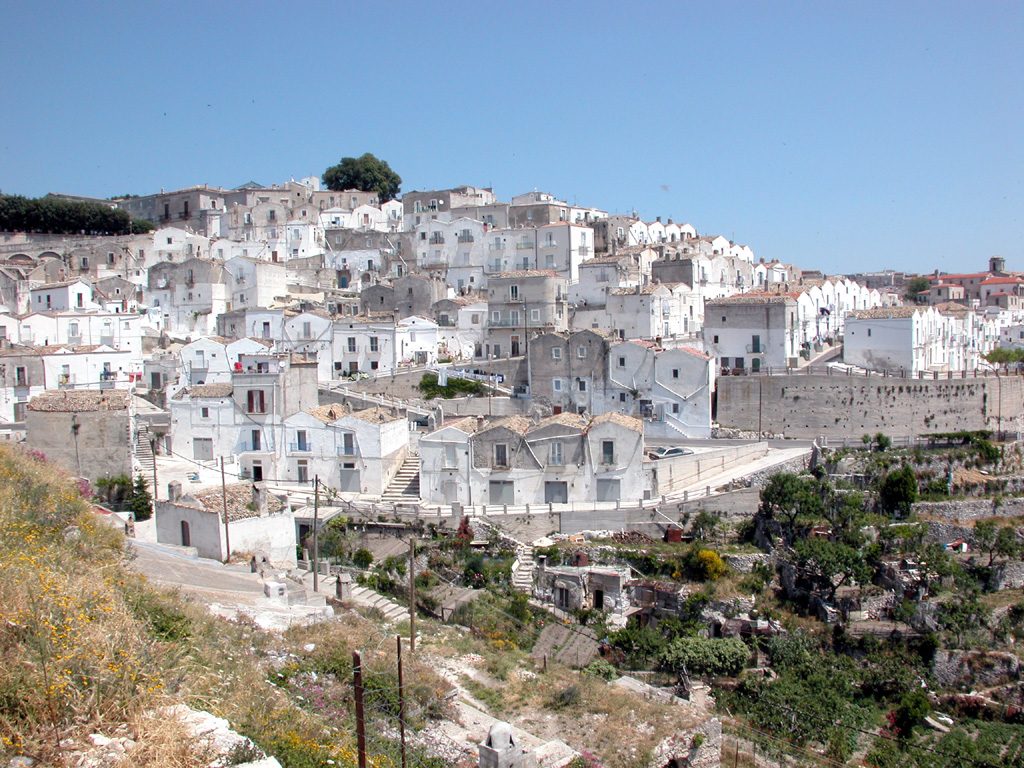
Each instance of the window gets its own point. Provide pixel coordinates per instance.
(374, 344)
(556, 385)
(449, 457)
(556, 353)
(622, 397)
(715, 339)
(675, 373)
(300, 440)
(675, 407)
(555, 456)
(351, 343)
(307, 330)
(535, 315)
(582, 385)
(869, 331)
(501, 455)
(622, 362)
(607, 451)
(257, 441)
(513, 317)
(495, 316)
(513, 293)
(348, 444)
(303, 471)
(255, 401)
(581, 352)
(374, 365)
(204, 412)
(474, 318)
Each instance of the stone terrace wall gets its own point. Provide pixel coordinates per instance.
(809, 405)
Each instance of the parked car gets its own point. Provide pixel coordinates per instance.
(666, 452)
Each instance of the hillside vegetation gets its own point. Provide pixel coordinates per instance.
(89, 648)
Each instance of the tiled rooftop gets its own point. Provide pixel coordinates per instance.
(80, 400)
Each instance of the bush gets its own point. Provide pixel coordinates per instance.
(362, 558)
(601, 669)
(705, 656)
(430, 389)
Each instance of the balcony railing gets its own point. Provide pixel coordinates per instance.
(436, 240)
(65, 380)
(755, 349)
(75, 340)
(466, 238)
(21, 381)
(495, 247)
(523, 246)
(299, 447)
(584, 250)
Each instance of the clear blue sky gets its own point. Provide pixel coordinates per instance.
(842, 136)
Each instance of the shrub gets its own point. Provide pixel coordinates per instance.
(601, 669)
(705, 656)
(362, 558)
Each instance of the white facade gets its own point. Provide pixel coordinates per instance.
(375, 346)
(254, 283)
(74, 294)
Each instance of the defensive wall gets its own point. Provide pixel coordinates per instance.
(840, 405)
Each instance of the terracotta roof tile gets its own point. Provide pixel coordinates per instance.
(80, 400)
(619, 419)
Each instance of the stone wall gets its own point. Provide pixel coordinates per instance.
(809, 405)
(1008, 576)
(974, 669)
(969, 509)
(746, 563)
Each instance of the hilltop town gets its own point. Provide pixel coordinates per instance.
(629, 494)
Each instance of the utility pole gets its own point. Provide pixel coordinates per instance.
(412, 595)
(316, 539)
(152, 446)
(401, 699)
(357, 686)
(224, 502)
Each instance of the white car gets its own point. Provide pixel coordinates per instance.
(663, 452)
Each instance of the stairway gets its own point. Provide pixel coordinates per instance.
(405, 485)
(522, 569)
(143, 449)
(367, 598)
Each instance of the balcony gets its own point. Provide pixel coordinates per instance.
(495, 247)
(75, 340)
(524, 246)
(21, 381)
(107, 341)
(466, 238)
(584, 250)
(299, 448)
(65, 381)
(436, 240)
(755, 349)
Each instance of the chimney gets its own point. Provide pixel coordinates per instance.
(173, 490)
(259, 497)
(480, 422)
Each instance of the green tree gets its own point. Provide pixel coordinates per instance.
(366, 173)
(962, 614)
(831, 564)
(141, 502)
(996, 541)
(704, 525)
(914, 286)
(791, 498)
(898, 490)
(913, 708)
(362, 558)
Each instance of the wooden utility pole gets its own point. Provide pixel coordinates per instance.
(357, 685)
(152, 446)
(224, 502)
(412, 595)
(316, 539)
(401, 699)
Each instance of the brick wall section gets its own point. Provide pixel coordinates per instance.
(809, 405)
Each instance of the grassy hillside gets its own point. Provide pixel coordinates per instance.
(88, 647)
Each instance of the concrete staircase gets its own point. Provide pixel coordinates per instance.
(405, 485)
(144, 450)
(367, 598)
(523, 568)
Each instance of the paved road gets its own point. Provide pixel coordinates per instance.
(205, 577)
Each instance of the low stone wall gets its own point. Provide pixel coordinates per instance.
(969, 509)
(1008, 576)
(746, 563)
(974, 669)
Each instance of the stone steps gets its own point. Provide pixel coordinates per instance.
(367, 598)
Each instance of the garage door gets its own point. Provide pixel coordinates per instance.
(502, 492)
(556, 493)
(607, 490)
(202, 448)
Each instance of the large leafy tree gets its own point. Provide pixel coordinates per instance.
(831, 564)
(366, 173)
(898, 491)
(791, 499)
